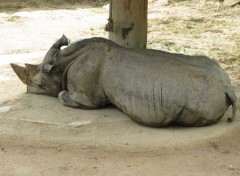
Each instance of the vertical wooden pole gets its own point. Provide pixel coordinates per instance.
(128, 22)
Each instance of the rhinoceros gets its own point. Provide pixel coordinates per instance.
(154, 88)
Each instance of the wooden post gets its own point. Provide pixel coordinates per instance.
(128, 22)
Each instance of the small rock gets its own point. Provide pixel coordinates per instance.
(3, 150)
(5, 108)
(214, 145)
(230, 167)
(78, 124)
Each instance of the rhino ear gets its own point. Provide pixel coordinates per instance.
(63, 41)
(46, 69)
(21, 72)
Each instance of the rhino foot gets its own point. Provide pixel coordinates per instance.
(66, 100)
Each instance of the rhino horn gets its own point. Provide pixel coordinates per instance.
(21, 72)
(63, 41)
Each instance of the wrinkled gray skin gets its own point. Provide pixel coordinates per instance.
(153, 88)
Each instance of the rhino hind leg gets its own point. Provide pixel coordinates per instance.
(66, 100)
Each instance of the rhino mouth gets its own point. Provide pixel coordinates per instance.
(34, 90)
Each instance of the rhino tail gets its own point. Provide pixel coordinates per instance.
(233, 101)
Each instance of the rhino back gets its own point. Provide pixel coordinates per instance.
(158, 90)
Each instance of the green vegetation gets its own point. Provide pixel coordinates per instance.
(11, 5)
(11, 18)
(210, 30)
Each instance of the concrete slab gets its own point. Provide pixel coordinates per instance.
(39, 117)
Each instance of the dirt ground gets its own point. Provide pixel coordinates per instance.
(39, 136)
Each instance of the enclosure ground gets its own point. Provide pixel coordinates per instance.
(39, 136)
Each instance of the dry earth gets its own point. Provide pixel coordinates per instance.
(39, 136)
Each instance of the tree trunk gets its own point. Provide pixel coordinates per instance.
(128, 23)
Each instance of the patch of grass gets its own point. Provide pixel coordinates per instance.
(11, 18)
(197, 20)
(169, 20)
(167, 44)
(175, 1)
(177, 49)
(238, 60)
(198, 53)
(100, 2)
(97, 10)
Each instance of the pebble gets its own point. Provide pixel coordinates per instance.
(231, 167)
(5, 109)
(78, 124)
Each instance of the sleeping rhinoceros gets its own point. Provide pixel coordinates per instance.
(154, 88)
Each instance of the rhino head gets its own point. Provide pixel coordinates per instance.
(43, 78)
(36, 81)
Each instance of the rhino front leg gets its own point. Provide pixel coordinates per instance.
(66, 100)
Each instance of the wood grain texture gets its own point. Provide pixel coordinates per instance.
(129, 23)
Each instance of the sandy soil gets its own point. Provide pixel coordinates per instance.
(39, 136)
